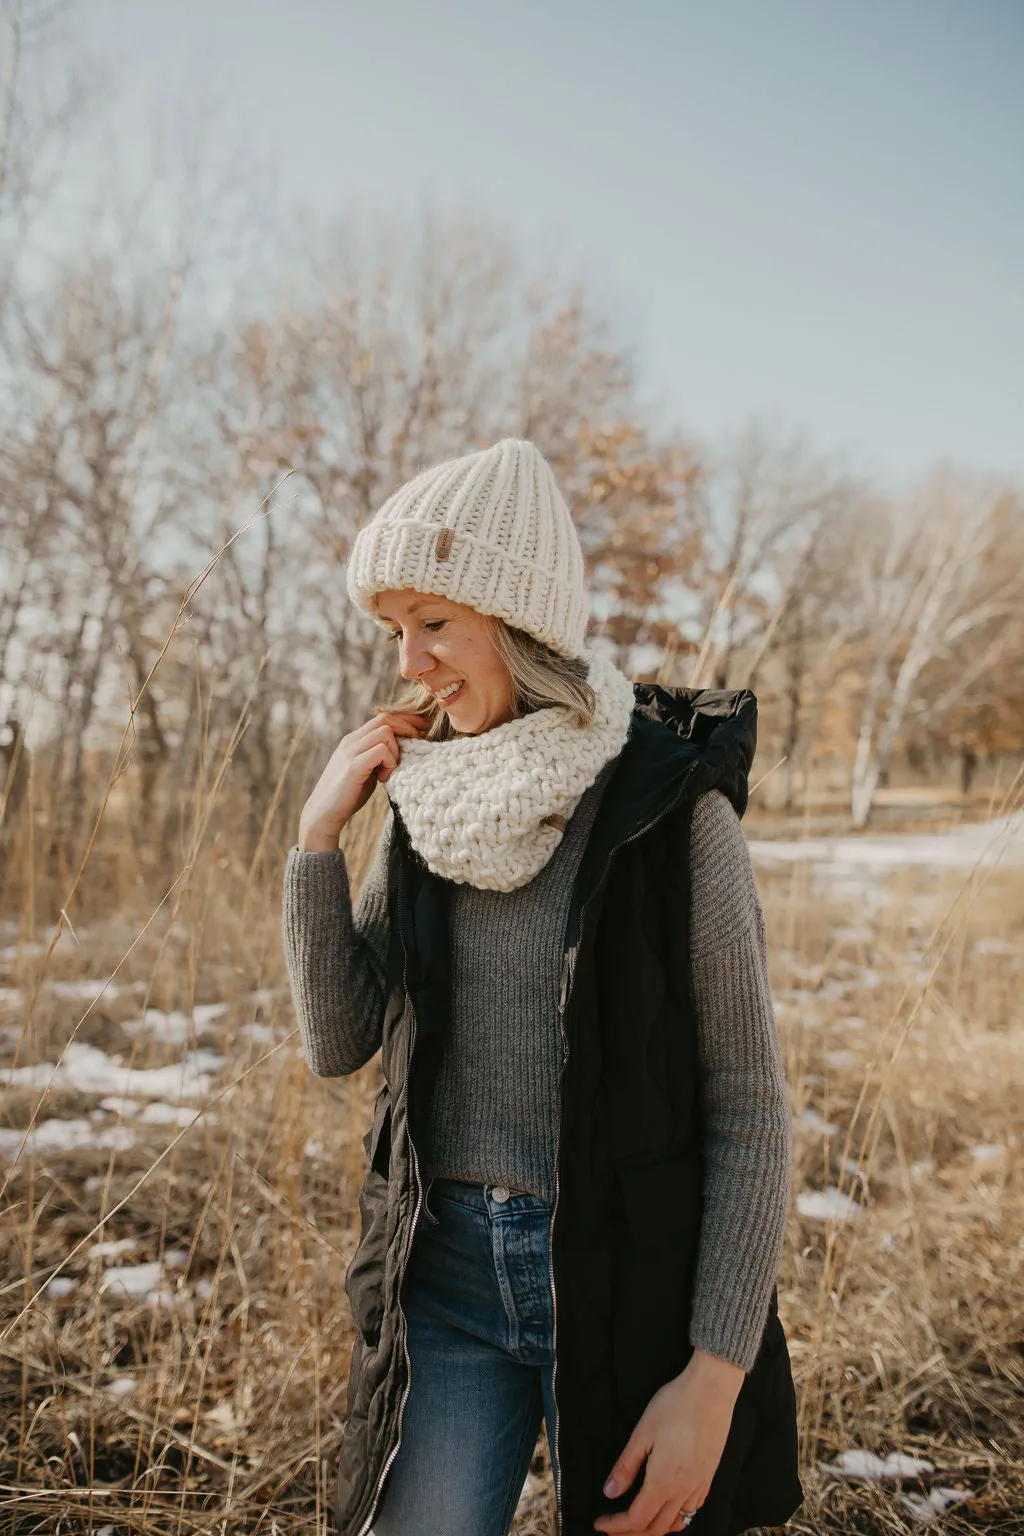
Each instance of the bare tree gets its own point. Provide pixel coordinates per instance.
(760, 511)
(45, 93)
(931, 584)
(93, 484)
(818, 620)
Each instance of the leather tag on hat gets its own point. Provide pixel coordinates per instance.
(554, 820)
(443, 547)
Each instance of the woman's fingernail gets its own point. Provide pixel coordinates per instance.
(611, 1487)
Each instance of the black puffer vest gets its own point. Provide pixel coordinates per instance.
(629, 1169)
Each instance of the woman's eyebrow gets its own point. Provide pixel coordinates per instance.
(412, 608)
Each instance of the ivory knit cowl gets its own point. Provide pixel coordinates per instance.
(477, 808)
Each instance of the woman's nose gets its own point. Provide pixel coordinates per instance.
(415, 660)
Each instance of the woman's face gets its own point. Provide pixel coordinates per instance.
(447, 647)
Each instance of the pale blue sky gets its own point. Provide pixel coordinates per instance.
(809, 209)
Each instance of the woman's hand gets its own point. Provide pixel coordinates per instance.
(363, 759)
(681, 1434)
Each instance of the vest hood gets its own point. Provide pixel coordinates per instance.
(717, 725)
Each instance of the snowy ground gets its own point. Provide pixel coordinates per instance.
(154, 1074)
(1000, 840)
(125, 1097)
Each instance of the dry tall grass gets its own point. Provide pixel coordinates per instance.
(212, 1401)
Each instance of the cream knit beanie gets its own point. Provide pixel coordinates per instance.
(491, 530)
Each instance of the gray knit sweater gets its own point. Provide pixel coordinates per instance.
(495, 1111)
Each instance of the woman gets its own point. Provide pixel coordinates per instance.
(579, 1161)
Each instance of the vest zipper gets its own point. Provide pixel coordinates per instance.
(398, 1302)
(568, 966)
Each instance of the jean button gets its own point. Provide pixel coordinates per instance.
(500, 1193)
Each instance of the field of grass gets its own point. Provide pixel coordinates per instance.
(174, 1334)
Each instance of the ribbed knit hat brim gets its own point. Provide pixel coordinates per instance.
(490, 530)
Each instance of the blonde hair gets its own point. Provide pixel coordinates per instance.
(540, 678)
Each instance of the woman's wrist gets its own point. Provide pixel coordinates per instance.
(716, 1374)
(315, 840)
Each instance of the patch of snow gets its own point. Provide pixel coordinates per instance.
(121, 1386)
(67, 1136)
(983, 843)
(60, 1285)
(204, 1289)
(223, 1419)
(205, 1013)
(117, 1104)
(263, 997)
(928, 1506)
(175, 1258)
(168, 1114)
(116, 1138)
(995, 946)
(87, 1069)
(315, 1148)
(922, 1168)
(988, 1152)
(866, 1466)
(26, 951)
(829, 1204)
(804, 1020)
(814, 1122)
(860, 887)
(262, 1034)
(112, 1248)
(853, 935)
(31, 949)
(836, 989)
(11, 998)
(87, 990)
(841, 1059)
(175, 1027)
(138, 1280)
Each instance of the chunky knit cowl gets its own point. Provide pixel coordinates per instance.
(489, 810)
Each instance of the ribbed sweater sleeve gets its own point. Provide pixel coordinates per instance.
(336, 957)
(744, 1096)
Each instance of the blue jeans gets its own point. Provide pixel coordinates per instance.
(477, 1296)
